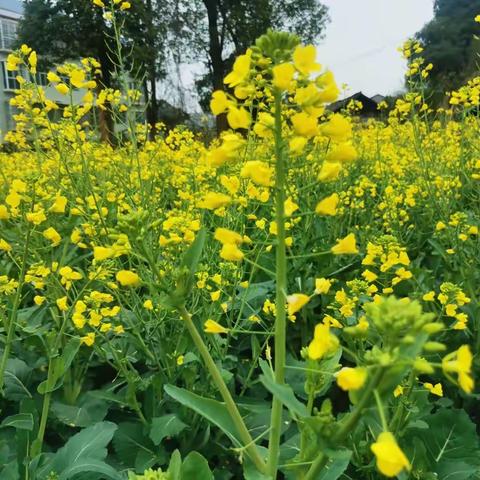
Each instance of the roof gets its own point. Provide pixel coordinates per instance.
(15, 6)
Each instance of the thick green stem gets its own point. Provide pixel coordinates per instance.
(13, 317)
(347, 425)
(38, 443)
(281, 287)
(245, 437)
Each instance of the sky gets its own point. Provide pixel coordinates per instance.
(359, 47)
(361, 41)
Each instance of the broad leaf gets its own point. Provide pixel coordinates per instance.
(165, 426)
(21, 421)
(195, 467)
(84, 452)
(451, 445)
(90, 465)
(283, 392)
(214, 411)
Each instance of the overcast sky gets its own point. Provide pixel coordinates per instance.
(360, 45)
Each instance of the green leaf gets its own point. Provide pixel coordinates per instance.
(60, 366)
(83, 452)
(451, 445)
(129, 440)
(21, 421)
(17, 375)
(283, 392)
(334, 469)
(195, 467)
(165, 426)
(89, 410)
(90, 465)
(193, 254)
(175, 466)
(214, 411)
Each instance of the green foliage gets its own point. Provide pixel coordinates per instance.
(450, 44)
(83, 452)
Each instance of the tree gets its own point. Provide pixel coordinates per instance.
(62, 30)
(450, 45)
(219, 30)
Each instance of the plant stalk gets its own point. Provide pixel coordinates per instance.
(346, 426)
(281, 287)
(245, 437)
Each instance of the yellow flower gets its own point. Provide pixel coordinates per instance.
(148, 305)
(351, 378)
(390, 458)
(214, 296)
(329, 171)
(32, 61)
(322, 285)
(304, 59)
(223, 235)
(296, 301)
(305, 125)
(460, 362)
(238, 118)
(328, 206)
(259, 172)
(88, 339)
(231, 252)
(98, 3)
(5, 246)
(347, 245)
(102, 253)
(62, 304)
(338, 128)
(4, 215)
(62, 89)
(39, 300)
(429, 296)
(343, 153)
(211, 326)
(240, 71)
(398, 391)
(369, 276)
(125, 6)
(52, 235)
(290, 207)
(213, 200)
(219, 102)
(127, 278)
(434, 389)
(36, 217)
(323, 342)
(119, 329)
(59, 205)
(283, 76)
(477, 18)
(180, 360)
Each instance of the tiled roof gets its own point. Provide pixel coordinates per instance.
(15, 6)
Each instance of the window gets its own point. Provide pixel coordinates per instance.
(9, 78)
(8, 33)
(41, 79)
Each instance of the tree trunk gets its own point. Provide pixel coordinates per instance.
(215, 53)
(105, 120)
(152, 106)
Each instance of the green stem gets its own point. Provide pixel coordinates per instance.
(281, 287)
(38, 443)
(346, 426)
(245, 437)
(13, 317)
